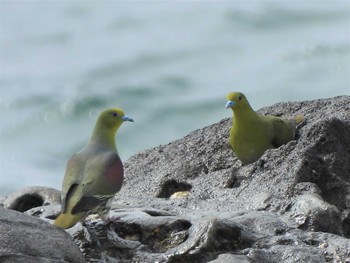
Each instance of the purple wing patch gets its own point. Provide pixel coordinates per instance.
(115, 173)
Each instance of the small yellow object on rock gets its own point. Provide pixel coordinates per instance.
(252, 134)
(180, 194)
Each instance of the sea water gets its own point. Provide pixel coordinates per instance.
(168, 64)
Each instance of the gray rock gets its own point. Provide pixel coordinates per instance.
(203, 163)
(231, 258)
(288, 254)
(193, 201)
(304, 185)
(2, 200)
(301, 246)
(311, 213)
(27, 239)
(47, 213)
(31, 197)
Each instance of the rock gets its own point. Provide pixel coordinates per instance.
(203, 163)
(311, 213)
(28, 239)
(288, 254)
(301, 246)
(306, 180)
(138, 233)
(2, 200)
(32, 197)
(231, 258)
(192, 200)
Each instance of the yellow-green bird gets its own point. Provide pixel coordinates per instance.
(252, 134)
(94, 174)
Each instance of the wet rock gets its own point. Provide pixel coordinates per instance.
(27, 239)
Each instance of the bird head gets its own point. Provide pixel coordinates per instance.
(236, 100)
(113, 118)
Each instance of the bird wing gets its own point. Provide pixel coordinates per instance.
(73, 176)
(103, 177)
(283, 130)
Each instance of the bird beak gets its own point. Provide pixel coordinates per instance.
(126, 118)
(230, 104)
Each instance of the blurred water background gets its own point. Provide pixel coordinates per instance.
(169, 65)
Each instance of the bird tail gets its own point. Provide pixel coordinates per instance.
(299, 119)
(67, 220)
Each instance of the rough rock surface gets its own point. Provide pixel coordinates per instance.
(32, 196)
(28, 239)
(193, 201)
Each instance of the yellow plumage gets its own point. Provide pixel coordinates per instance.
(68, 220)
(252, 134)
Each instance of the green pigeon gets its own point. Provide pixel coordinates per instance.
(252, 134)
(94, 174)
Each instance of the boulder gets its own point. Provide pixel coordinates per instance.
(192, 200)
(27, 239)
(31, 197)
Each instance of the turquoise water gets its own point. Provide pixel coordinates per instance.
(169, 65)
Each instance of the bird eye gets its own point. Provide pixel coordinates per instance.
(115, 114)
(240, 97)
